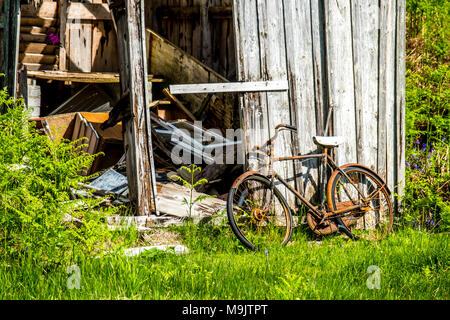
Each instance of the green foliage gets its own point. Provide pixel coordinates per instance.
(191, 184)
(335, 269)
(37, 178)
(427, 200)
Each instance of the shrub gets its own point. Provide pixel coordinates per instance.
(37, 178)
(427, 192)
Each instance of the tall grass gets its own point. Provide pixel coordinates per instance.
(412, 264)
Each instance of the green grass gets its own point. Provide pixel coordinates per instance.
(413, 264)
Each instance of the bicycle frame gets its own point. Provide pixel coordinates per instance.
(326, 160)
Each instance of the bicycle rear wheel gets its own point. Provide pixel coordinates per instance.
(373, 221)
(258, 214)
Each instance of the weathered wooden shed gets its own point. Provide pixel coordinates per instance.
(349, 54)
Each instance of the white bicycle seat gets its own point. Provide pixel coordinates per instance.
(329, 142)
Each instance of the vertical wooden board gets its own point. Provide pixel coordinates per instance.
(196, 35)
(138, 128)
(340, 84)
(5, 43)
(302, 91)
(365, 19)
(182, 25)
(223, 47)
(2, 21)
(80, 35)
(400, 96)
(205, 28)
(104, 47)
(273, 64)
(63, 4)
(319, 65)
(387, 87)
(253, 106)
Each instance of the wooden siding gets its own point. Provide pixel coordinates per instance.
(201, 28)
(91, 42)
(2, 24)
(350, 54)
(9, 29)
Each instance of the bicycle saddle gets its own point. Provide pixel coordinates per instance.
(329, 142)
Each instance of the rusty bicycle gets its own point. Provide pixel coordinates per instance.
(356, 201)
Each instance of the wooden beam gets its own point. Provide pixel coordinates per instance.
(62, 34)
(11, 45)
(89, 11)
(46, 9)
(82, 77)
(230, 87)
(179, 104)
(128, 16)
(41, 22)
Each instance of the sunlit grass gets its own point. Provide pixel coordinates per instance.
(413, 265)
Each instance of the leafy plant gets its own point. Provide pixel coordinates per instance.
(37, 207)
(427, 191)
(191, 184)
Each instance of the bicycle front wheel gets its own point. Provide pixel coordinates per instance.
(258, 214)
(361, 187)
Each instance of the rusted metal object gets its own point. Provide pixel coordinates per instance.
(330, 217)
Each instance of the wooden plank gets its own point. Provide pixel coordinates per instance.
(318, 36)
(205, 32)
(77, 127)
(31, 47)
(365, 18)
(63, 4)
(179, 104)
(39, 22)
(104, 47)
(255, 86)
(37, 58)
(5, 45)
(176, 66)
(273, 62)
(387, 87)
(253, 106)
(11, 45)
(137, 125)
(302, 94)
(400, 102)
(79, 54)
(34, 29)
(171, 195)
(341, 85)
(45, 10)
(87, 99)
(83, 77)
(88, 11)
(35, 37)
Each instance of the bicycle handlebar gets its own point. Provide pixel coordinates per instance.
(285, 127)
(278, 128)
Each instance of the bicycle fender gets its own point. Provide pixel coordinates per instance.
(376, 175)
(244, 176)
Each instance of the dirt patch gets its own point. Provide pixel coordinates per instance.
(160, 236)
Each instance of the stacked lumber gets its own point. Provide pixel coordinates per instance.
(35, 25)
